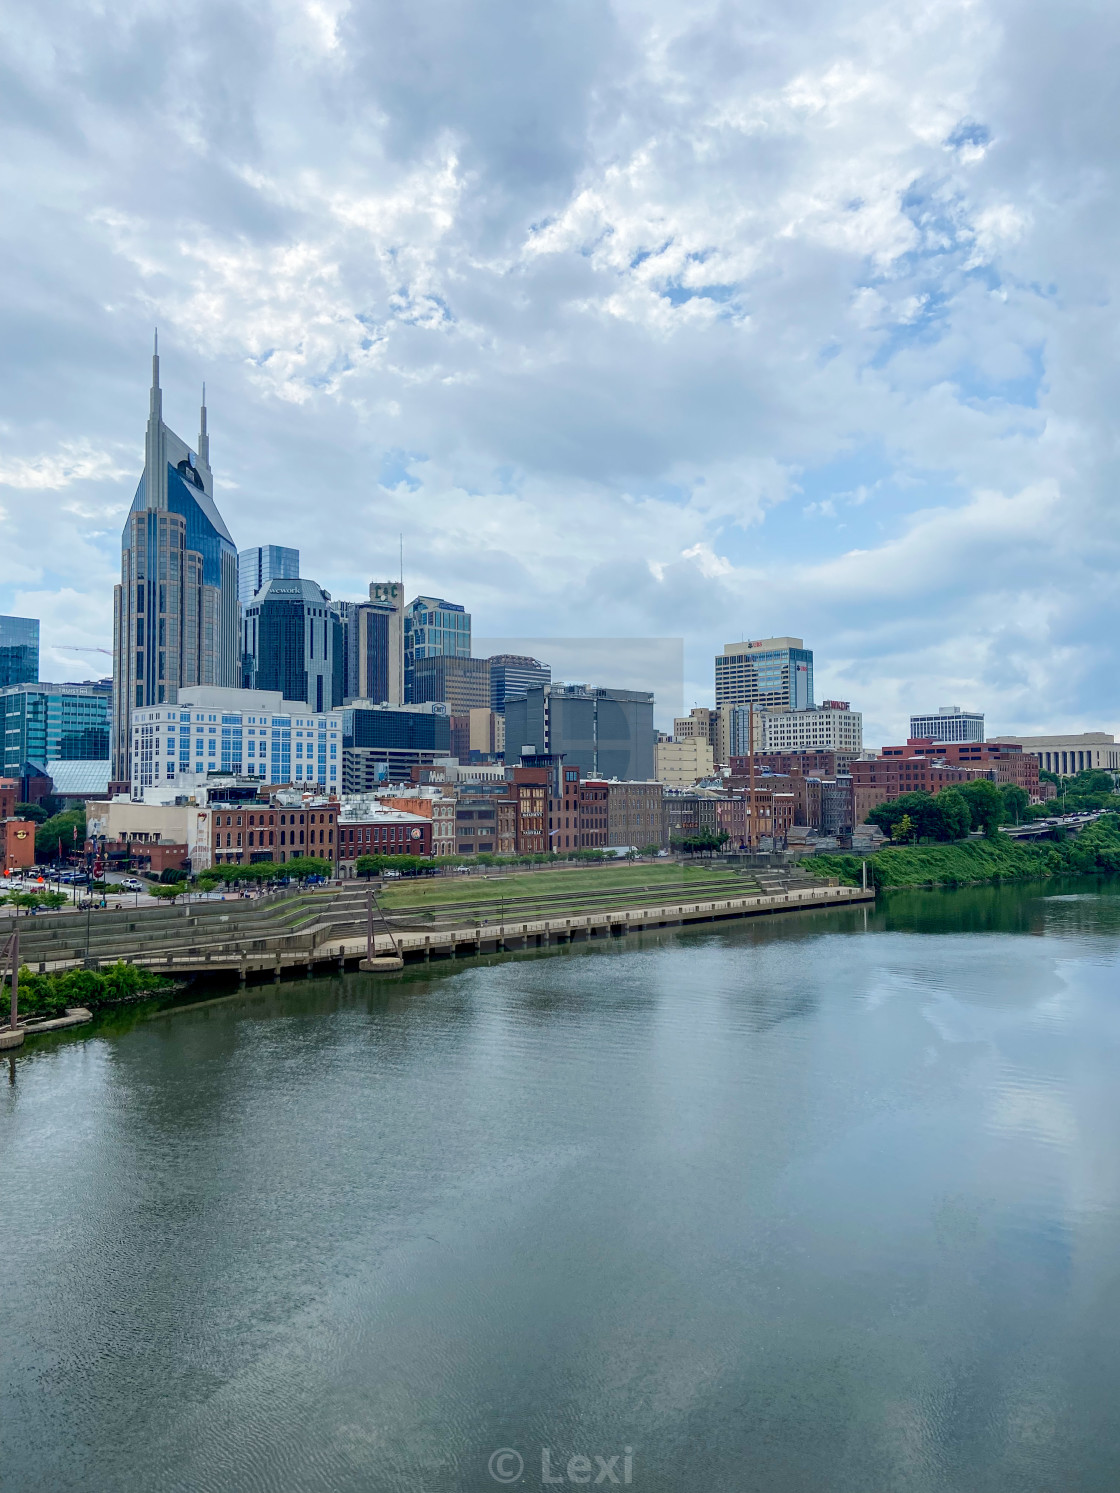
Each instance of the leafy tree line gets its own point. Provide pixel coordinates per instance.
(951, 814)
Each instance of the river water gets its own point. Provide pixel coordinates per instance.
(822, 1202)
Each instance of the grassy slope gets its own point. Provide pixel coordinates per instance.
(1094, 849)
(533, 884)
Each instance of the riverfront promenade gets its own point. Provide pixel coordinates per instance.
(297, 932)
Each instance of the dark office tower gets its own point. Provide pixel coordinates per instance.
(512, 674)
(175, 610)
(292, 642)
(604, 732)
(261, 564)
(19, 650)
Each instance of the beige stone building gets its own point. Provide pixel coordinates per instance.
(679, 764)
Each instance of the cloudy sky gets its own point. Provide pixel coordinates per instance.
(677, 319)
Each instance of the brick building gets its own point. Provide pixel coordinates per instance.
(1011, 763)
(385, 831)
(634, 814)
(439, 808)
(247, 833)
(885, 778)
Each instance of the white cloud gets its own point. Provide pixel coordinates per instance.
(613, 284)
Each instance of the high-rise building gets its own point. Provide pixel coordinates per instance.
(463, 684)
(512, 674)
(53, 722)
(373, 644)
(434, 629)
(261, 564)
(770, 674)
(19, 650)
(292, 642)
(606, 733)
(175, 610)
(949, 723)
(384, 742)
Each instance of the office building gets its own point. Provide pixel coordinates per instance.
(19, 650)
(257, 733)
(264, 563)
(603, 732)
(63, 722)
(699, 722)
(679, 764)
(948, 723)
(373, 644)
(463, 684)
(382, 743)
(292, 642)
(175, 610)
(830, 727)
(434, 629)
(771, 674)
(512, 674)
(1069, 754)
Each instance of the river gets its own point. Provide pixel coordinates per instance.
(821, 1202)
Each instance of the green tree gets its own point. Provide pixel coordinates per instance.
(955, 813)
(1016, 801)
(169, 891)
(60, 827)
(31, 811)
(903, 830)
(985, 804)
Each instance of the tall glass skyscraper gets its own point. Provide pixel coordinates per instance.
(261, 564)
(175, 610)
(19, 650)
(433, 629)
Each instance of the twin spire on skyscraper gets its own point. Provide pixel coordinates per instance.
(156, 407)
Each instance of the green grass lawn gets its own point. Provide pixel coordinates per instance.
(532, 885)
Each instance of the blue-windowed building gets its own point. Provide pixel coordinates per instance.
(19, 650)
(175, 612)
(292, 642)
(433, 628)
(261, 564)
(53, 722)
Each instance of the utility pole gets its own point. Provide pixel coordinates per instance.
(752, 835)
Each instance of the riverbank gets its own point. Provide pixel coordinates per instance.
(1094, 850)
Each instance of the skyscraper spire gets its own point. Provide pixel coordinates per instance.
(156, 396)
(203, 436)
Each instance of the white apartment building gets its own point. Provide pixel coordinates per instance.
(255, 733)
(679, 764)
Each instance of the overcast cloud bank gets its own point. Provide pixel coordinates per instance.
(672, 319)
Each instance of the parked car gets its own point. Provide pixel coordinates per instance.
(130, 884)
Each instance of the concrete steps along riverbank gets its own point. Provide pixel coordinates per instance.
(296, 932)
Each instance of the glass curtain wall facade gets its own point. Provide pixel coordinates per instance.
(772, 674)
(175, 612)
(261, 564)
(19, 650)
(433, 628)
(292, 642)
(54, 722)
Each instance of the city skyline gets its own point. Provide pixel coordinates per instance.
(860, 403)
